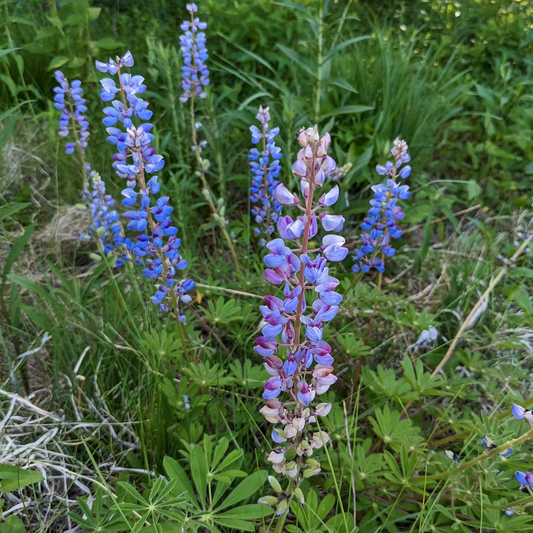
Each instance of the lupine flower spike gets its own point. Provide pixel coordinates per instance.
(137, 162)
(294, 322)
(74, 124)
(195, 77)
(106, 225)
(265, 168)
(69, 100)
(380, 226)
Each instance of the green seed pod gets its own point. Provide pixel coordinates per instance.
(274, 483)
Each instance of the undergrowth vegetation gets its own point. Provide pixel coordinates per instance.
(265, 266)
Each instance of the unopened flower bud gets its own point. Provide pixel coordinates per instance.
(267, 500)
(299, 495)
(274, 483)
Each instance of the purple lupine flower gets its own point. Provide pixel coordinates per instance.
(265, 168)
(524, 478)
(291, 324)
(381, 224)
(106, 226)
(135, 160)
(521, 413)
(192, 42)
(69, 100)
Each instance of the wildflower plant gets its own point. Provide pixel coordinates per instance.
(195, 77)
(381, 224)
(137, 162)
(294, 323)
(265, 169)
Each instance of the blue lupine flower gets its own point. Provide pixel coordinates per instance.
(105, 221)
(69, 100)
(289, 322)
(134, 161)
(381, 223)
(524, 478)
(192, 42)
(509, 511)
(265, 168)
(521, 413)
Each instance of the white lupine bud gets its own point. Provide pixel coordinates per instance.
(298, 423)
(299, 495)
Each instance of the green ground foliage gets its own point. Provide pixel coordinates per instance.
(110, 422)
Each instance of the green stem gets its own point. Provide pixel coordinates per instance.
(283, 517)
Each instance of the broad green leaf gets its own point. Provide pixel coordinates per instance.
(109, 43)
(234, 523)
(13, 524)
(93, 13)
(245, 489)
(132, 491)
(57, 62)
(183, 485)
(199, 471)
(249, 512)
(13, 477)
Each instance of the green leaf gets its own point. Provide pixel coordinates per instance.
(343, 84)
(521, 297)
(14, 253)
(132, 491)
(31, 286)
(343, 45)
(12, 209)
(349, 110)
(7, 51)
(13, 477)
(245, 488)
(297, 58)
(93, 13)
(13, 524)
(7, 131)
(199, 471)
(473, 189)
(109, 43)
(249, 512)
(57, 62)
(183, 485)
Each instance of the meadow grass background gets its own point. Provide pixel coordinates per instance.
(109, 393)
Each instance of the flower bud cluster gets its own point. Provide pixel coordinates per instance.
(294, 321)
(105, 221)
(157, 244)
(265, 169)
(69, 100)
(192, 42)
(381, 223)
